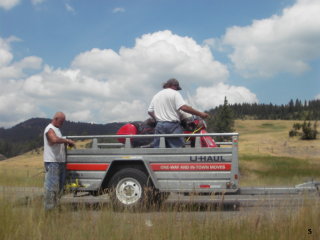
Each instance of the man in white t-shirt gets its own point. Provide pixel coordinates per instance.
(54, 160)
(165, 107)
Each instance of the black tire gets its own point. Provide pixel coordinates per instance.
(131, 189)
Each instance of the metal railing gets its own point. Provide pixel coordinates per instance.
(128, 138)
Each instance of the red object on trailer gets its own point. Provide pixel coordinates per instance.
(207, 141)
(127, 129)
(200, 126)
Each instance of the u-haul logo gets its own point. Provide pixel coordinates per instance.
(207, 159)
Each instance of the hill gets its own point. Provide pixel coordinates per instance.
(28, 135)
(268, 156)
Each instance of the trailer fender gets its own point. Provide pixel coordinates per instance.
(121, 163)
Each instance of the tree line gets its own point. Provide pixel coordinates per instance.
(294, 110)
(223, 116)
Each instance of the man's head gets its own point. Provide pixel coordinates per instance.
(58, 119)
(172, 83)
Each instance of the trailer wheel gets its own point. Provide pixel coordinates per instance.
(130, 188)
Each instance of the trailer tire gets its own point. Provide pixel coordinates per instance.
(131, 189)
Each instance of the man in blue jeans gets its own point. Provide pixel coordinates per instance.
(165, 107)
(54, 160)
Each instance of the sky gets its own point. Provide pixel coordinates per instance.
(102, 61)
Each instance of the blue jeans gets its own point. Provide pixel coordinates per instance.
(54, 183)
(169, 128)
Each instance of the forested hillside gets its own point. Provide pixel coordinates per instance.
(28, 135)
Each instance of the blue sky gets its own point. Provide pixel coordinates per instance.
(102, 61)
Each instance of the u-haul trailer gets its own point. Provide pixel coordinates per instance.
(135, 177)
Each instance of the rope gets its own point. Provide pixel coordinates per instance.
(193, 133)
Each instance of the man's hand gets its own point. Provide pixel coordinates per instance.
(70, 143)
(204, 115)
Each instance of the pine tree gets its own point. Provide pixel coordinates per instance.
(222, 120)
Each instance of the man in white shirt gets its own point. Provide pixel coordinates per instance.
(165, 107)
(54, 160)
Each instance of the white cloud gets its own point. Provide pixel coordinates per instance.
(281, 43)
(16, 70)
(118, 10)
(8, 4)
(105, 86)
(211, 97)
(30, 62)
(5, 52)
(81, 115)
(318, 96)
(15, 106)
(37, 2)
(154, 58)
(69, 8)
(6, 57)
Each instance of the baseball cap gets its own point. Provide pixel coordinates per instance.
(172, 82)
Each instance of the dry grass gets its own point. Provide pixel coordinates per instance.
(270, 137)
(31, 222)
(26, 169)
(23, 170)
(268, 156)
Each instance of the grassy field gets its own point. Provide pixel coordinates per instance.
(270, 137)
(267, 157)
(31, 222)
(25, 170)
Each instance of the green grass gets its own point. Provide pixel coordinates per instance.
(29, 221)
(273, 127)
(262, 128)
(275, 170)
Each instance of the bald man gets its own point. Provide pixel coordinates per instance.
(54, 160)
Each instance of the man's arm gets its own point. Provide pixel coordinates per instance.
(193, 111)
(152, 115)
(54, 139)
